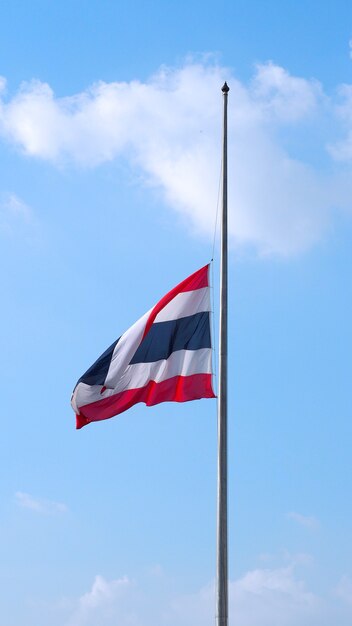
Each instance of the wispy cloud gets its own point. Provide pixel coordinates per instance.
(39, 505)
(307, 521)
(169, 129)
(14, 212)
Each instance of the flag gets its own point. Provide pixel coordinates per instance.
(164, 357)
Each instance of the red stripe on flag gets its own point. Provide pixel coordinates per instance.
(198, 280)
(176, 389)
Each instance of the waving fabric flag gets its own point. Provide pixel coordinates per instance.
(164, 357)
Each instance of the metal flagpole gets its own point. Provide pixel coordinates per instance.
(222, 572)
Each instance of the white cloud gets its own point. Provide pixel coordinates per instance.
(39, 505)
(286, 97)
(101, 603)
(169, 128)
(262, 597)
(14, 212)
(307, 521)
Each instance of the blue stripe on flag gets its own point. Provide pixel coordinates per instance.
(164, 338)
(97, 372)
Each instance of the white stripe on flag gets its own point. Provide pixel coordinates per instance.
(179, 363)
(185, 304)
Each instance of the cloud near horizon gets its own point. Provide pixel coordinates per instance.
(261, 597)
(169, 129)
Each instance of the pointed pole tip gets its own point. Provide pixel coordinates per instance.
(225, 88)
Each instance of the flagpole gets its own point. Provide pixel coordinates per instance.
(222, 568)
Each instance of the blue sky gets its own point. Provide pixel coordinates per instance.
(110, 128)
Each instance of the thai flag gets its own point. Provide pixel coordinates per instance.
(164, 357)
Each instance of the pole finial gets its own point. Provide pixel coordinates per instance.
(225, 88)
